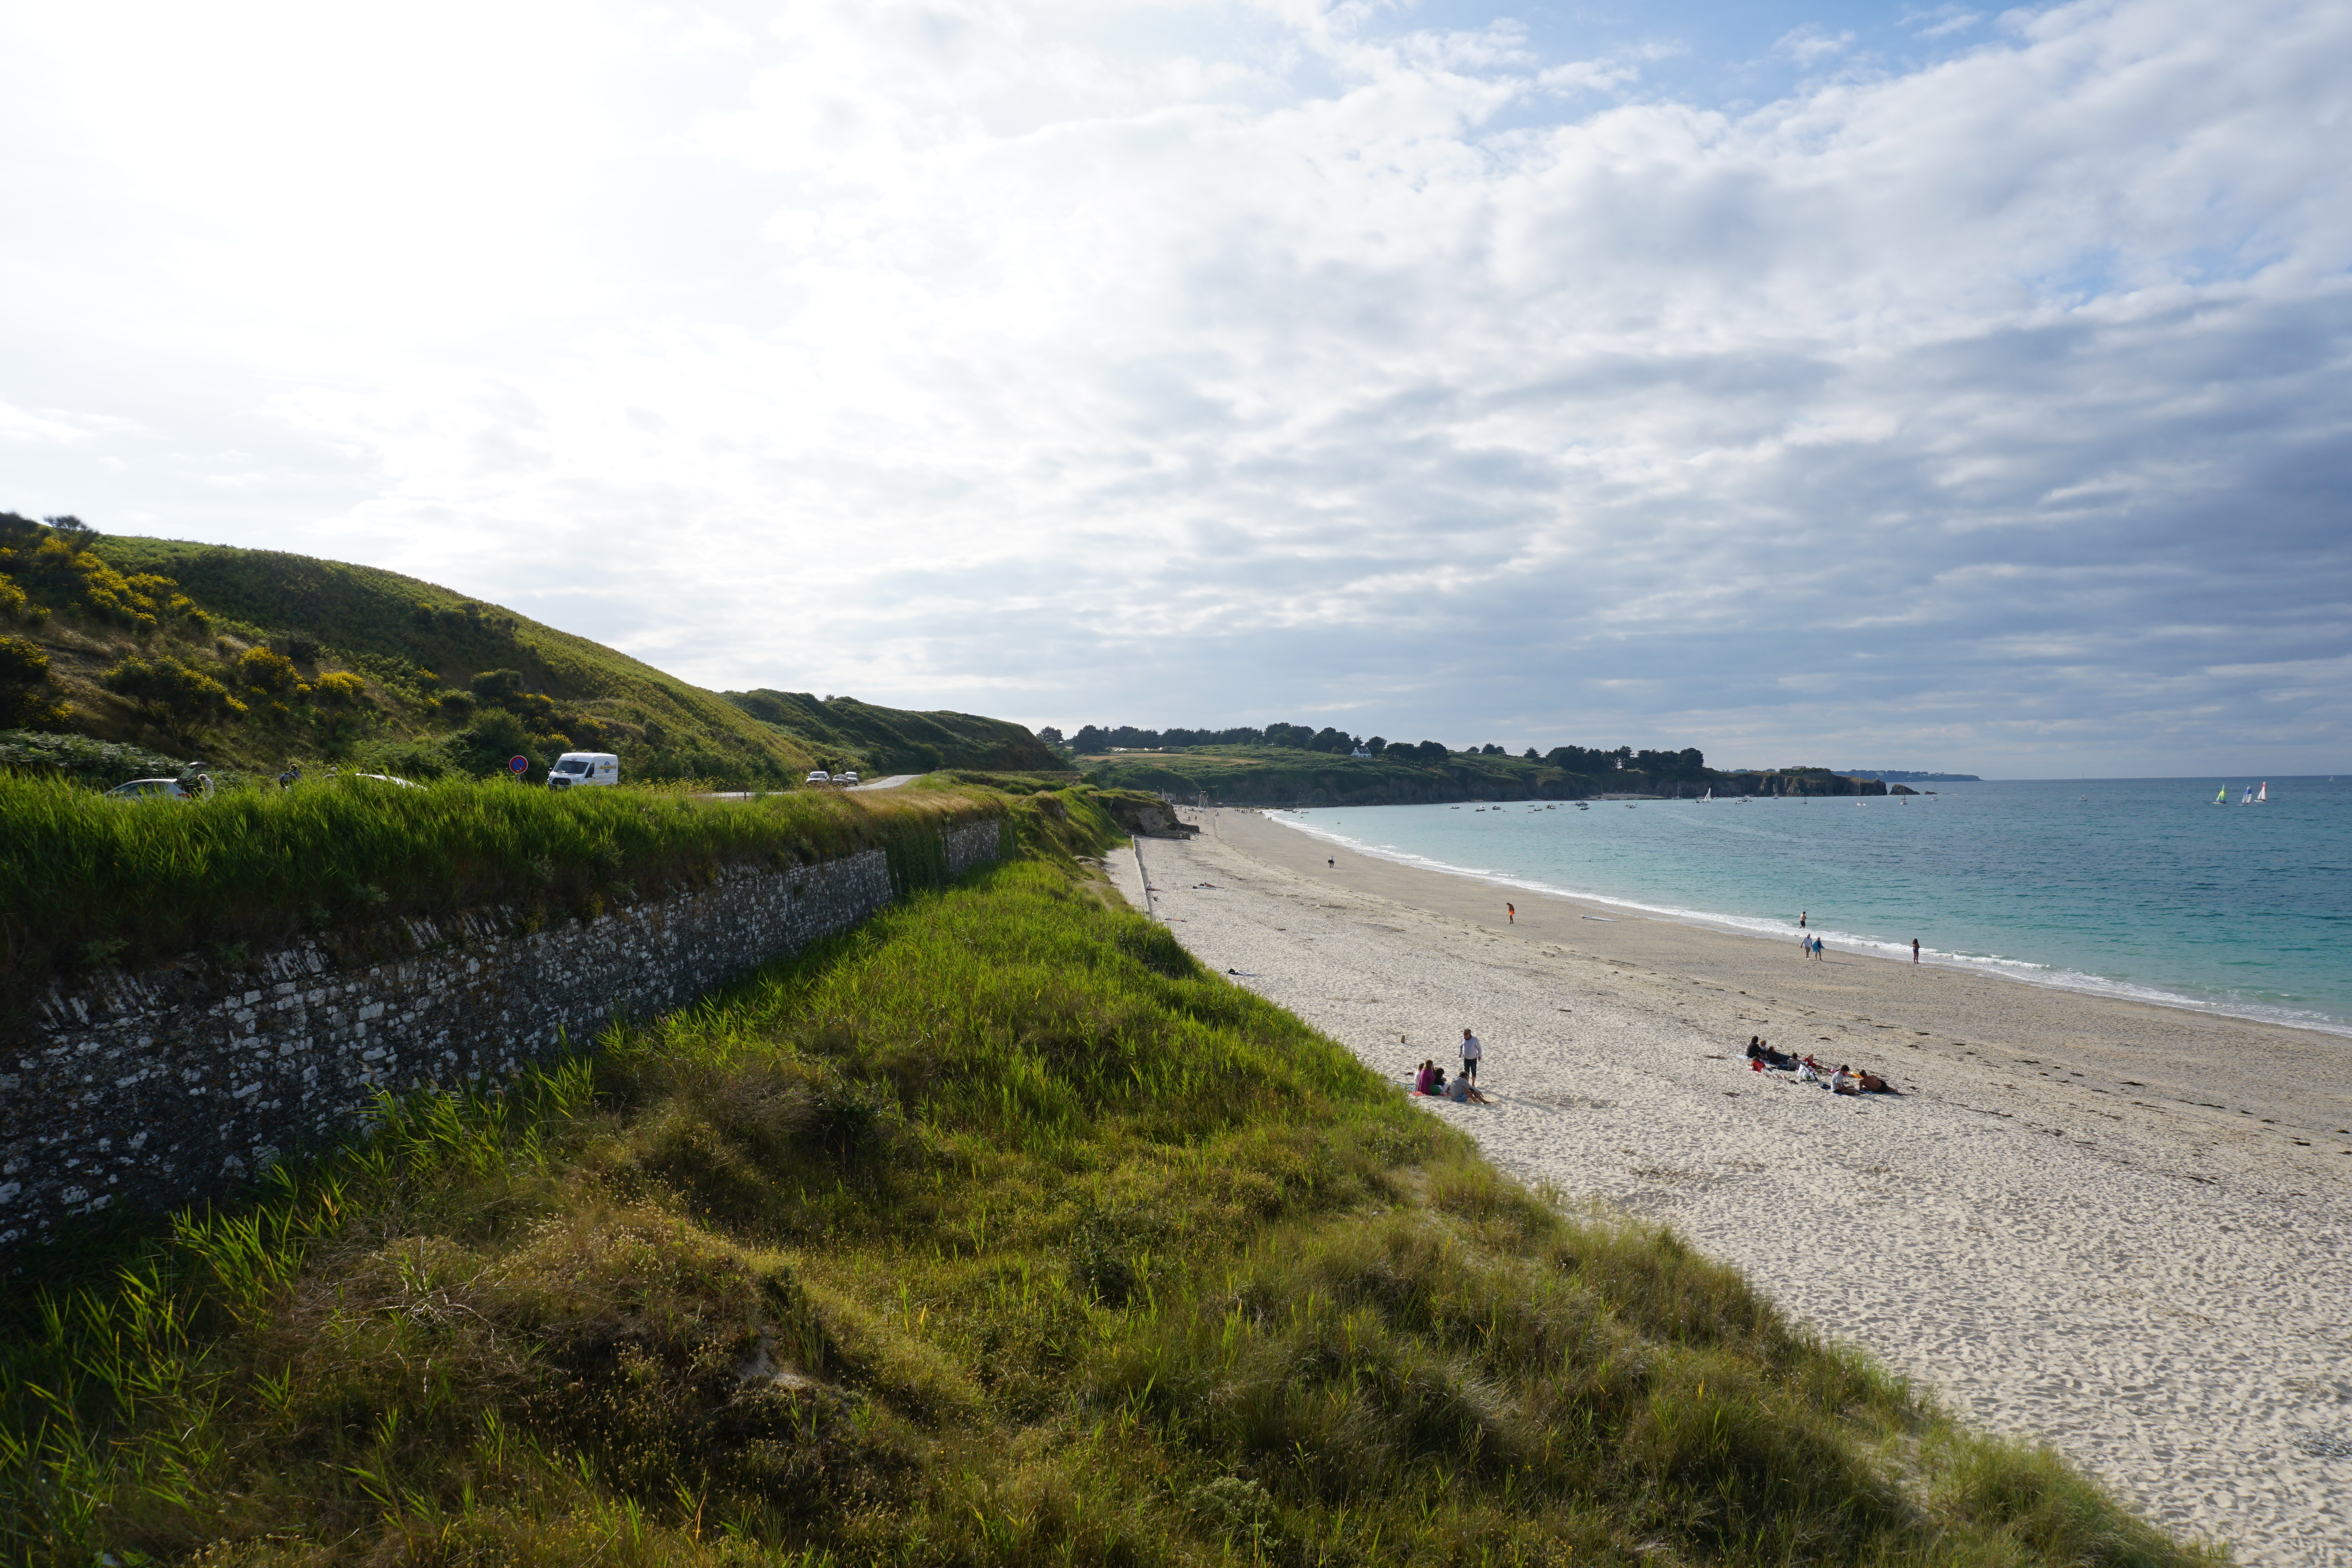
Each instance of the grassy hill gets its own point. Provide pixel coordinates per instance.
(995, 1234)
(252, 659)
(897, 741)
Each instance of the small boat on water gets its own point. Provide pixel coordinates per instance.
(2262, 795)
(1708, 797)
(2222, 796)
(1582, 806)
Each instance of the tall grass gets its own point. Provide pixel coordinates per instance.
(993, 1232)
(88, 881)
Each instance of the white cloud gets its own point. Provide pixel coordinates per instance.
(1186, 363)
(1810, 44)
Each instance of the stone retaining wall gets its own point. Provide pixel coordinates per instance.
(155, 1089)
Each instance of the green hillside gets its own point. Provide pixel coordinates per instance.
(897, 741)
(254, 659)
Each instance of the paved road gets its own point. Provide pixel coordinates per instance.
(890, 783)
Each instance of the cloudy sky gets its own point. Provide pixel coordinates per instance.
(1860, 384)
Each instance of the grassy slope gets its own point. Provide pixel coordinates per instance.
(413, 642)
(90, 879)
(995, 1232)
(361, 610)
(894, 740)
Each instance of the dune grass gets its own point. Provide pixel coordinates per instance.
(995, 1231)
(90, 882)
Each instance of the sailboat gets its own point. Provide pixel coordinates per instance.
(2262, 795)
(1703, 800)
(2222, 797)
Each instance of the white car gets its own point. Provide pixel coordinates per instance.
(819, 776)
(200, 787)
(850, 778)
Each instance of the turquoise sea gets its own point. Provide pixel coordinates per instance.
(2133, 887)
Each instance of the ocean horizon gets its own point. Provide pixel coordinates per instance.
(2137, 888)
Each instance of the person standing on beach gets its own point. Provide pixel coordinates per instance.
(1511, 914)
(1915, 950)
(1801, 918)
(1471, 1052)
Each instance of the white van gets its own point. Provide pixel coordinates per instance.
(584, 767)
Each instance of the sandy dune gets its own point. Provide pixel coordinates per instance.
(2121, 1229)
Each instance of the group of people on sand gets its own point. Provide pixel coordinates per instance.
(1430, 1078)
(1844, 1080)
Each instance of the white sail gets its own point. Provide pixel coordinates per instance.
(2262, 795)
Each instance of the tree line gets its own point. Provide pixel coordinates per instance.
(1687, 763)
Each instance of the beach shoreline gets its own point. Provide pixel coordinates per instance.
(2113, 1226)
(2014, 971)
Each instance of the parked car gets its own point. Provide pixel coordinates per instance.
(848, 778)
(818, 777)
(575, 769)
(195, 788)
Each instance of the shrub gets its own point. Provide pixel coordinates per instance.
(499, 687)
(18, 605)
(267, 670)
(26, 699)
(172, 686)
(77, 576)
(484, 748)
(341, 686)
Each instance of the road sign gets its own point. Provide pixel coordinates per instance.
(518, 766)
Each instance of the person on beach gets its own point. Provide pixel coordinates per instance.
(1842, 1083)
(1471, 1052)
(1801, 919)
(1915, 950)
(1421, 1076)
(1511, 914)
(1872, 1083)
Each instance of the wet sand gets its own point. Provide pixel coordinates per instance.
(2116, 1227)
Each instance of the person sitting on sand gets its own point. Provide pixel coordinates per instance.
(1844, 1083)
(1805, 1073)
(1872, 1083)
(1421, 1076)
(1755, 1048)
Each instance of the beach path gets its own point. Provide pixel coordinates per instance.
(2118, 1229)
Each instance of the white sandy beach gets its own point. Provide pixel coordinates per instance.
(2118, 1229)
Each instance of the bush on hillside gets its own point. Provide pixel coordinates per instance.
(27, 701)
(484, 748)
(16, 605)
(57, 569)
(267, 670)
(172, 687)
(341, 686)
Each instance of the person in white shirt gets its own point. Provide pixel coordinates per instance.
(1471, 1052)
